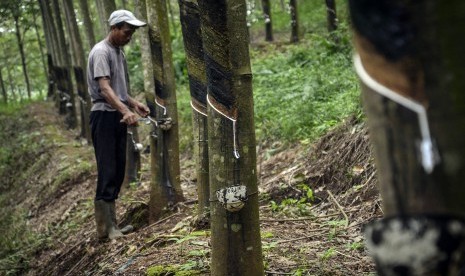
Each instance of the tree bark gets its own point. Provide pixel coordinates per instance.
(166, 190)
(236, 245)
(268, 23)
(294, 21)
(410, 62)
(193, 45)
(79, 68)
(88, 25)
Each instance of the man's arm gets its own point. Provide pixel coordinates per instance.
(107, 92)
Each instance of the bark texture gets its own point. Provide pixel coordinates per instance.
(236, 245)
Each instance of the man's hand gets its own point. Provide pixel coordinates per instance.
(141, 109)
(129, 118)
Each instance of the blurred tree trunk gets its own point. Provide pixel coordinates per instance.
(331, 17)
(166, 188)
(51, 56)
(88, 25)
(41, 47)
(236, 245)
(20, 42)
(294, 21)
(105, 8)
(79, 68)
(53, 49)
(4, 94)
(193, 45)
(68, 102)
(268, 23)
(411, 64)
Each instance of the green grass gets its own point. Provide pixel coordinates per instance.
(302, 90)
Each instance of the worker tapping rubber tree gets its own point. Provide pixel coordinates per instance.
(108, 81)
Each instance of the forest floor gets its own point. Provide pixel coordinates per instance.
(298, 238)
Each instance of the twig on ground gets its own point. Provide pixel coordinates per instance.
(301, 238)
(163, 220)
(340, 207)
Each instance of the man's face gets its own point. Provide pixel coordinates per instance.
(123, 35)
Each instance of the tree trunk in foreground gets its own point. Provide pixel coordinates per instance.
(410, 62)
(192, 34)
(166, 187)
(236, 245)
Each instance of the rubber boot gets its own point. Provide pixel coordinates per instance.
(106, 228)
(126, 229)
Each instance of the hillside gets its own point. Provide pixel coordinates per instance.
(315, 200)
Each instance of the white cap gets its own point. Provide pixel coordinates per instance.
(124, 16)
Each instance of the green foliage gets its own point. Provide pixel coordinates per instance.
(328, 254)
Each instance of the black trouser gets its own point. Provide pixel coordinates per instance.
(109, 140)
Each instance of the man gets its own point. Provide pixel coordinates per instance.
(108, 81)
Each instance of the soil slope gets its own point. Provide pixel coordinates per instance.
(323, 237)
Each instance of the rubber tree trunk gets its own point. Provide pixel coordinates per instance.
(294, 21)
(149, 84)
(51, 56)
(88, 25)
(104, 9)
(193, 45)
(19, 39)
(236, 245)
(267, 17)
(79, 68)
(166, 189)
(65, 85)
(410, 62)
(331, 15)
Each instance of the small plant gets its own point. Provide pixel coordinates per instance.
(328, 254)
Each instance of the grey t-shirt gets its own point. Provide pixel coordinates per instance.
(106, 60)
